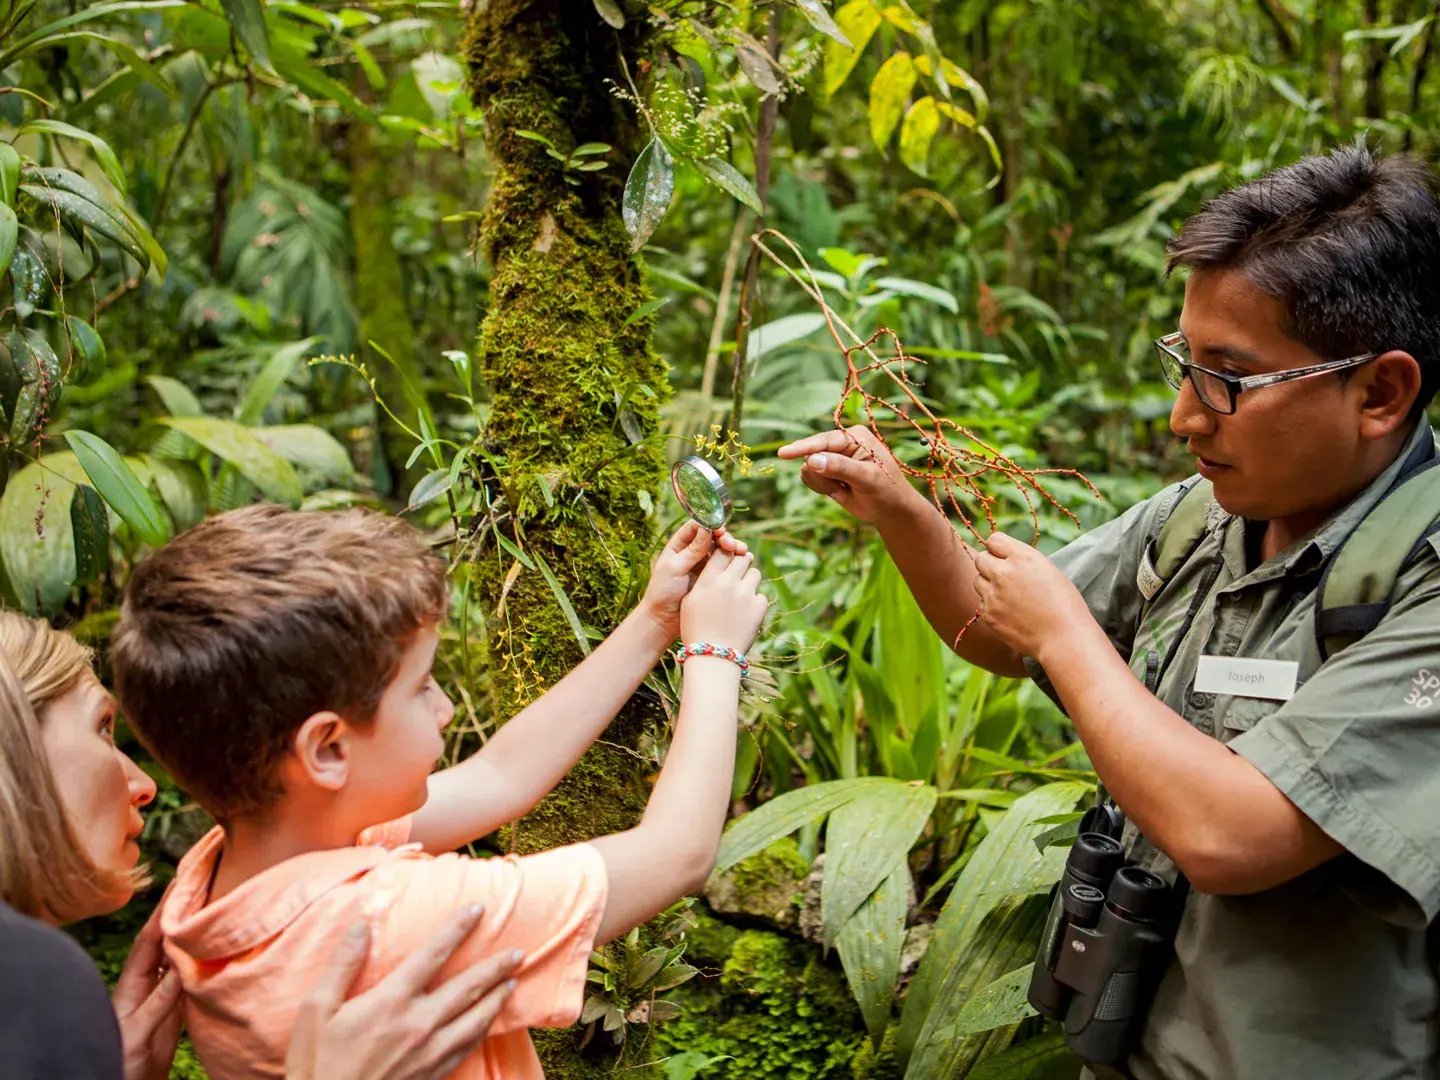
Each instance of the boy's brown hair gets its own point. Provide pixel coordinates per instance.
(238, 630)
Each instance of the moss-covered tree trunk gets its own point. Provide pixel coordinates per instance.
(558, 359)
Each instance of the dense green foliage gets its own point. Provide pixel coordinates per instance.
(491, 268)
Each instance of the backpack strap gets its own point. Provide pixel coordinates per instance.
(1181, 530)
(1357, 587)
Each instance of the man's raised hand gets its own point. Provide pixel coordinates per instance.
(856, 470)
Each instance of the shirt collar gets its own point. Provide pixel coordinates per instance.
(259, 908)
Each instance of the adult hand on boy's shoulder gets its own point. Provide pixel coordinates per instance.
(675, 570)
(400, 1029)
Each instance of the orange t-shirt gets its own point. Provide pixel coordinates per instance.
(248, 960)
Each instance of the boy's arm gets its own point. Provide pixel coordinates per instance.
(527, 757)
(671, 852)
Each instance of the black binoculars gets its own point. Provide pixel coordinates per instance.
(1107, 942)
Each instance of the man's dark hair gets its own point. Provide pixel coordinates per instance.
(1349, 241)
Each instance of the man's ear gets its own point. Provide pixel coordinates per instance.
(1391, 385)
(322, 751)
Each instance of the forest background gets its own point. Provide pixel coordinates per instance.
(493, 265)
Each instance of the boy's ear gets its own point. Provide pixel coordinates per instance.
(322, 751)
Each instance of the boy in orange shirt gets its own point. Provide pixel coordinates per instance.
(278, 664)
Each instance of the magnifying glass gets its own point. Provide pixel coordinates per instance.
(701, 491)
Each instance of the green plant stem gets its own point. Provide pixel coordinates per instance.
(764, 140)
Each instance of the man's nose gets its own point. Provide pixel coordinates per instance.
(1189, 415)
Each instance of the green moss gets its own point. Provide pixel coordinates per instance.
(768, 886)
(709, 942)
(559, 361)
(871, 1064)
(777, 1011)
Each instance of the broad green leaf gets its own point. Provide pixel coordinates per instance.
(920, 290)
(40, 383)
(248, 19)
(86, 347)
(645, 310)
(269, 379)
(109, 163)
(610, 11)
(1045, 1057)
(768, 337)
(86, 213)
(175, 395)
(9, 236)
(37, 543)
(820, 18)
(119, 486)
(566, 607)
(730, 180)
(857, 21)
(647, 192)
(9, 173)
(1006, 938)
(27, 278)
(90, 530)
(127, 55)
(431, 486)
(181, 488)
(917, 133)
(312, 450)
(866, 839)
(45, 33)
(870, 944)
(1001, 1002)
(237, 445)
(1004, 865)
(889, 94)
(298, 69)
(782, 815)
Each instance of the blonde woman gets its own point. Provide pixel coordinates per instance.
(70, 821)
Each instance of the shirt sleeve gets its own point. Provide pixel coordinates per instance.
(1357, 748)
(548, 906)
(1104, 565)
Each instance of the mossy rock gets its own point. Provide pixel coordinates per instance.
(767, 887)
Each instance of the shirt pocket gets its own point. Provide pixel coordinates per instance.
(1242, 714)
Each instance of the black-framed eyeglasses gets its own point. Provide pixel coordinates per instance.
(1216, 390)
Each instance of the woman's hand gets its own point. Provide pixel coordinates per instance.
(1026, 599)
(147, 1005)
(399, 1029)
(675, 571)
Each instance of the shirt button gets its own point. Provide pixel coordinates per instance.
(1199, 700)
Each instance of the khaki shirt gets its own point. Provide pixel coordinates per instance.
(1332, 975)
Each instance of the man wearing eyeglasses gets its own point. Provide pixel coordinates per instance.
(1306, 816)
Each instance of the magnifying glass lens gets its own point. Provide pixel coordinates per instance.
(701, 491)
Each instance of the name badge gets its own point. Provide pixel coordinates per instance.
(1272, 679)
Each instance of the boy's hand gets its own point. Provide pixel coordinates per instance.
(675, 571)
(725, 606)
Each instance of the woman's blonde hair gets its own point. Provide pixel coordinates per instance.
(45, 870)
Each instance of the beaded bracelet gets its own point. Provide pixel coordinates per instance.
(704, 648)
